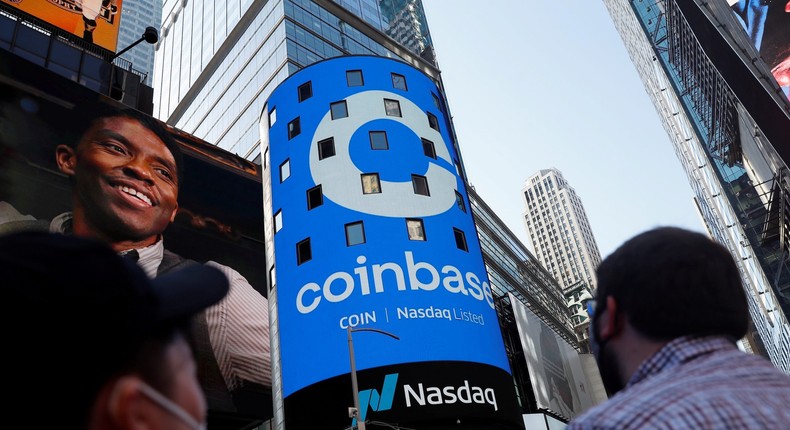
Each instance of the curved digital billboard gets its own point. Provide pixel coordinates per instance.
(371, 228)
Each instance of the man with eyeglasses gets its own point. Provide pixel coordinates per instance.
(92, 343)
(668, 312)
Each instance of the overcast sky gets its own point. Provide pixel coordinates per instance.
(538, 84)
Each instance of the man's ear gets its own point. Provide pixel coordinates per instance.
(610, 322)
(175, 212)
(126, 407)
(66, 158)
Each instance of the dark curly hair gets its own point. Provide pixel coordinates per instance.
(671, 282)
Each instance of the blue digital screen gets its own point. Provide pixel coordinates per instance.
(430, 290)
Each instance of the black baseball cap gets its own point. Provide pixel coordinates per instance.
(76, 313)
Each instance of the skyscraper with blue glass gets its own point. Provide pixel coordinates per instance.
(218, 61)
(137, 15)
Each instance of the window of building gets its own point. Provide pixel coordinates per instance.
(355, 233)
(399, 82)
(459, 201)
(420, 184)
(370, 183)
(278, 221)
(354, 78)
(433, 121)
(378, 140)
(305, 91)
(285, 170)
(436, 101)
(304, 252)
(294, 128)
(315, 197)
(338, 109)
(392, 107)
(428, 148)
(272, 117)
(415, 229)
(326, 148)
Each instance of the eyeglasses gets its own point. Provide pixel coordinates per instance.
(171, 407)
(590, 309)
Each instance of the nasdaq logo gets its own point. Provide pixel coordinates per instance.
(376, 401)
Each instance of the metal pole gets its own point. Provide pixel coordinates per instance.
(354, 387)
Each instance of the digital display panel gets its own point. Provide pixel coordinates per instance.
(374, 231)
(767, 24)
(555, 369)
(219, 216)
(95, 21)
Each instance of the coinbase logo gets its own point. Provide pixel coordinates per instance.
(339, 176)
(378, 401)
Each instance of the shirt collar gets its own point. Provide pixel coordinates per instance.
(150, 256)
(679, 351)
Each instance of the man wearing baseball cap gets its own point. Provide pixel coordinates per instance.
(92, 343)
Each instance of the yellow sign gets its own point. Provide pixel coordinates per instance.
(95, 21)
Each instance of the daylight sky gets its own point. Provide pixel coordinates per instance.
(538, 84)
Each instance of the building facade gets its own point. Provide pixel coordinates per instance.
(520, 283)
(729, 121)
(386, 241)
(137, 16)
(218, 61)
(558, 229)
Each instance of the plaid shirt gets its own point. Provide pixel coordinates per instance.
(697, 383)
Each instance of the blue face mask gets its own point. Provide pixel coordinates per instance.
(595, 345)
(606, 365)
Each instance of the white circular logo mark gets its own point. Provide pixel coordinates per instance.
(340, 178)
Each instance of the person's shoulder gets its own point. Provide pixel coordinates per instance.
(12, 221)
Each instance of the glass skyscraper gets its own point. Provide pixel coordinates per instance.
(218, 61)
(729, 122)
(135, 17)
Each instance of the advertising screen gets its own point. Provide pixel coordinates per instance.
(218, 219)
(558, 379)
(767, 24)
(372, 229)
(95, 21)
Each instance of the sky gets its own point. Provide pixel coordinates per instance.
(533, 85)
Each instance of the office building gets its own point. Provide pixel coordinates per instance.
(535, 319)
(137, 16)
(558, 229)
(217, 61)
(728, 119)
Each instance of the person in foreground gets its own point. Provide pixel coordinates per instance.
(667, 314)
(93, 343)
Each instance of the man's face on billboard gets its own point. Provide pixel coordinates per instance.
(125, 182)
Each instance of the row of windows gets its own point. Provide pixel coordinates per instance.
(354, 78)
(378, 141)
(339, 110)
(371, 184)
(355, 235)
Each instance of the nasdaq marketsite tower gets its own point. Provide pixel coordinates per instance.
(368, 226)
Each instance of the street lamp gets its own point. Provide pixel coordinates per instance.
(150, 35)
(355, 412)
